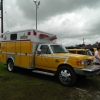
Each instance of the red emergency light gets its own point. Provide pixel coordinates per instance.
(28, 33)
(43, 35)
(34, 33)
(53, 37)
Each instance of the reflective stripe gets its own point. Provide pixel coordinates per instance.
(60, 57)
(50, 56)
(10, 53)
(29, 54)
(18, 53)
(3, 52)
(66, 60)
(23, 54)
(47, 55)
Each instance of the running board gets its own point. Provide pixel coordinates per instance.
(42, 72)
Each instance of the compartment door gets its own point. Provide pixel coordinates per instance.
(17, 53)
(26, 50)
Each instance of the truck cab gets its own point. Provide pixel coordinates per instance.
(66, 66)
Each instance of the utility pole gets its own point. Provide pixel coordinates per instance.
(83, 41)
(1, 8)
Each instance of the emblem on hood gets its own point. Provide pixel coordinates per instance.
(56, 60)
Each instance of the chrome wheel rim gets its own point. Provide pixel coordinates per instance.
(65, 76)
(10, 66)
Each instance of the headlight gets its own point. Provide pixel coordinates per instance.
(80, 62)
(84, 62)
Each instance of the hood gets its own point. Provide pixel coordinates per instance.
(73, 56)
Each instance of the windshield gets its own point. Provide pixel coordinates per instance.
(58, 49)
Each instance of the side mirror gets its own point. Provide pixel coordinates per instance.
(39, 52)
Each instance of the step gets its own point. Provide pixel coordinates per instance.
(43, 72)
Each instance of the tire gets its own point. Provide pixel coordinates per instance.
(66, 76)
(10, 66)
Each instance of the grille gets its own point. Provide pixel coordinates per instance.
(87, 62)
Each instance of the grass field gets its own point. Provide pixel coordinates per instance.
(25, 85)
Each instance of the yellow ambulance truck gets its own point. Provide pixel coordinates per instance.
(38, 51)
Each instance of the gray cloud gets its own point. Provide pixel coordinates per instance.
(70, 20)
(50, 8)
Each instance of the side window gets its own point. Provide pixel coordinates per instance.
(13, 36)
(81, 52)
(45, 49)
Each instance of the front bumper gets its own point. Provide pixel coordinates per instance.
(90, 71)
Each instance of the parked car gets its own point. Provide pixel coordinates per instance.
(82, 52)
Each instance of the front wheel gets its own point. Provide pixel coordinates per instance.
(66, 76)
(10, 66)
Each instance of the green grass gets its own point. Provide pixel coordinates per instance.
(25, 85)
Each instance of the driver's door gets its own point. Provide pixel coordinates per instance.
(43, 60)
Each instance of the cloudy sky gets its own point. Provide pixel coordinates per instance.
(70, 20)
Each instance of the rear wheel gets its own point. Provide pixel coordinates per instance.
(66, 76)
(10, 65)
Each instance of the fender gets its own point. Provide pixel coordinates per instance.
(10, 58)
